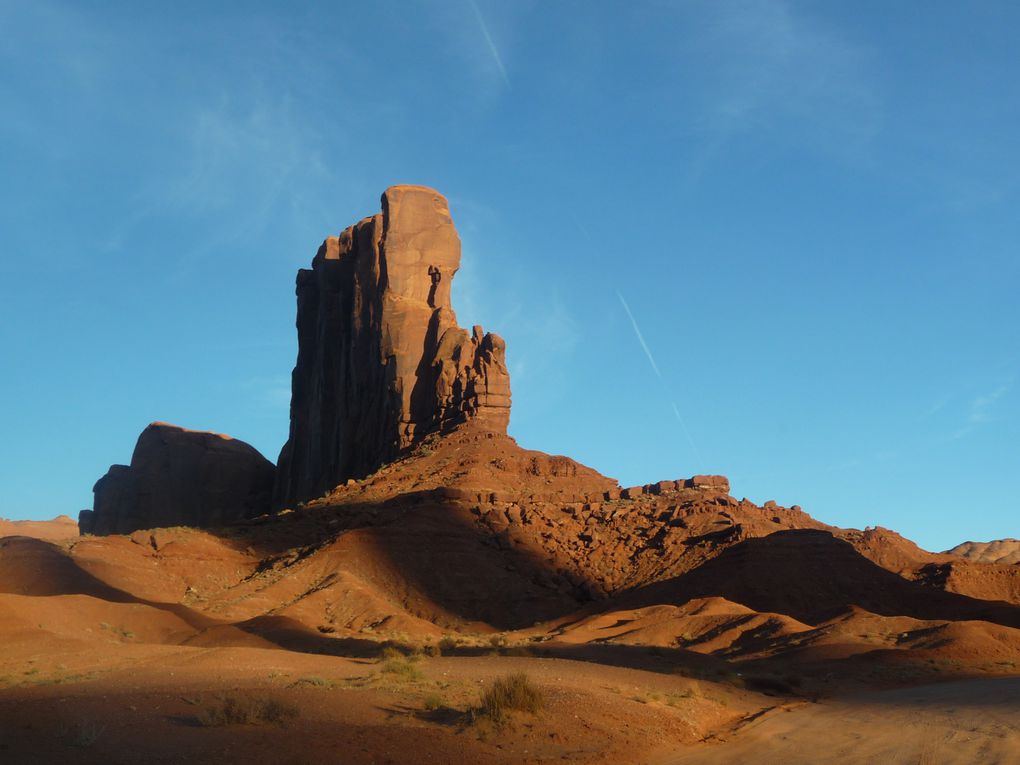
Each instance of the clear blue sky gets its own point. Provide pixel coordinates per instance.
(810, 210)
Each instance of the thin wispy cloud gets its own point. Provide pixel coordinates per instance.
(658, 373)
(240, 166)
(981, 406)
(489, 42)
(980, 410)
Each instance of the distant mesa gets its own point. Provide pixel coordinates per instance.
(180, 477)
(382, 361)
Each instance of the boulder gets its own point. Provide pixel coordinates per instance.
(381, 360)
(718, 483)
(180, 477)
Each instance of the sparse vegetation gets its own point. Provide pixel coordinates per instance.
(399, 665)
(448, 643)
(677, 698)
(242, 710)
(511, 693)
(314, 681)
(402, 669)
(433, 701)
(121, 632)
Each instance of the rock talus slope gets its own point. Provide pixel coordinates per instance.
(381, 359)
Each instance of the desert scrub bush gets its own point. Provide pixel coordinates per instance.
(433, 701)
(390, 652)
(510, 693)
(399, 666)
(448, 643)
(241, 710)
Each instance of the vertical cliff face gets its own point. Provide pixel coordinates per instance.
(381, 360)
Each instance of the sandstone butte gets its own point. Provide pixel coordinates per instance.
(381, 359)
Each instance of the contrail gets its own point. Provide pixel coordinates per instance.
(665, 385)
(492, 45)
(640, 337)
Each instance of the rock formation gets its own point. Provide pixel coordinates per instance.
(180, 477)
(997, 551)
(381, 360)
(61, 527)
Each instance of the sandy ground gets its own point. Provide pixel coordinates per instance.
(137, 703)
(957, 723)
(141, 704)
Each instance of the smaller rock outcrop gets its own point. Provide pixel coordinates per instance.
(180, 477)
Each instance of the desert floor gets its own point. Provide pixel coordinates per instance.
(145, 703)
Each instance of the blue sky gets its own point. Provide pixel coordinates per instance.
(770, 239)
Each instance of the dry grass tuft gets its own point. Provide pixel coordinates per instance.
(511, 693)
(242, 710)
(400, 666)
(433, 701)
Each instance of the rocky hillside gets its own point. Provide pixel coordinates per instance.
(996, 551)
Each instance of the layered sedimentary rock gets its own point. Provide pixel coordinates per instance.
(180, 477)
(381, 360)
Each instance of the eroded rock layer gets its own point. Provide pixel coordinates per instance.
(180, 477)
(381, 359)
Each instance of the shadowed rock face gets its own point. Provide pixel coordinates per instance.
(381, 359)
(180, 477)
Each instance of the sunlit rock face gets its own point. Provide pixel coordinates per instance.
(381, 359)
